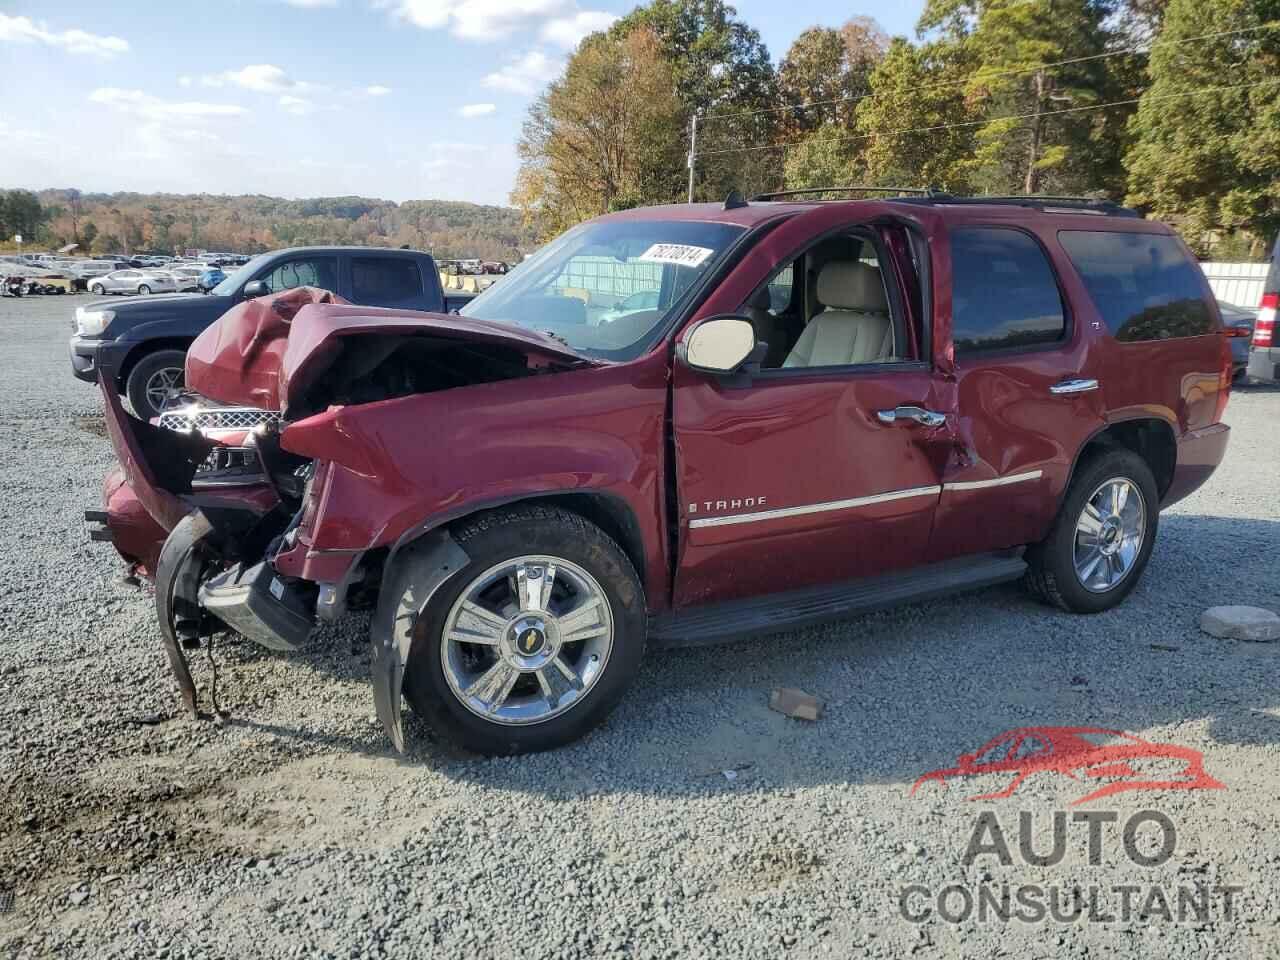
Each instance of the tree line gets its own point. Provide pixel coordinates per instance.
(163, 223)
(1172, 106)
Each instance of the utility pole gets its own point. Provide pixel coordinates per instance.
(693, 149)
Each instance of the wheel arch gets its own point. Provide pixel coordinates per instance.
(145, 348)
(609, 512)
(1152, 438)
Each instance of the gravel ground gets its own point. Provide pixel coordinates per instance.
(293, 830)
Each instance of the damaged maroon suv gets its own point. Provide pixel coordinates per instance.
(680, 425)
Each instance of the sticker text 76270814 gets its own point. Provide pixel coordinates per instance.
(682, 255)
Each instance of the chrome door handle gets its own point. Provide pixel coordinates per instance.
(928, 418)
(1074, 386)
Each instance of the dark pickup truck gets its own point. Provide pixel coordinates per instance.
(140, 343)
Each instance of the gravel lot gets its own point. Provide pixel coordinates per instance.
(293, 830)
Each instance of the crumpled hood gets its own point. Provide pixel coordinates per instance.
(264, 351)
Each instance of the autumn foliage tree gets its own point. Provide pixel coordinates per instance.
(605, 136)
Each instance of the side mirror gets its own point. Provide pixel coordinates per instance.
(256, 288)
(719, 344)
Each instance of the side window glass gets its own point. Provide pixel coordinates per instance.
(384, 281)
(1004, 293)
(309, 272)
(1143, 285)
(780, 289)
(829, 308)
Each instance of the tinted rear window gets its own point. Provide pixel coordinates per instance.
(384, 281)
(1145, 286)
(1003, 291)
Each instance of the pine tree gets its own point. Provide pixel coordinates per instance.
(1211, 160)
(913, 88)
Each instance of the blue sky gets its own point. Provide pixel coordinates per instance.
(399, 99)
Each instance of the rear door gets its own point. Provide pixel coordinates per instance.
(1027, 370)
(814, 470)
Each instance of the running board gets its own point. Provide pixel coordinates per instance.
(720, 622)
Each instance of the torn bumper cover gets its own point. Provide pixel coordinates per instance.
(421, 569)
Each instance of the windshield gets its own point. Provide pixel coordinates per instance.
(582, 287)
(235, 281)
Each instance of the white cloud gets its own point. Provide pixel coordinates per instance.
(377, 90)
(259, 77)
(558, 21)
(312, 4)
(525, 75)
(298, 106)
(26, 30)
(568, 32)
(477, 110)
(185, 81)
(153, 108)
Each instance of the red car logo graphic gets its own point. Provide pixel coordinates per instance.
(1083, 754)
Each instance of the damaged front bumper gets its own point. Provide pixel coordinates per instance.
(231, 557)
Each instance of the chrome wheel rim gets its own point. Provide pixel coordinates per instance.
(164, 385)
(1109, 535)
(527, 640)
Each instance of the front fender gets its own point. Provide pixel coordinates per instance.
(420, 570)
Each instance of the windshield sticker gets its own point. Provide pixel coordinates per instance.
(682, 255)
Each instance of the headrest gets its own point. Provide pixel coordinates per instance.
(851, 285)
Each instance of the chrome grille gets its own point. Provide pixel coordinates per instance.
(216, 418)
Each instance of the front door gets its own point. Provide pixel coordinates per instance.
(826, 464)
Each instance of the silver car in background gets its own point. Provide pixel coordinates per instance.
(133, 281)
(186, 278)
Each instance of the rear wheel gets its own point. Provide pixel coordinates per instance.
(1103, 537)
(155, 380)
(533, 643)
(143, 289)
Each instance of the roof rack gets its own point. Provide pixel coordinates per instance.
(1043, 202)
(809, 191)
(1036, 201)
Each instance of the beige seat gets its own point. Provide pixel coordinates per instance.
(854, 327)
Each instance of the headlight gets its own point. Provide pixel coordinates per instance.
(91, 323)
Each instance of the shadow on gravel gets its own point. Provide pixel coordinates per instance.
(909, 690)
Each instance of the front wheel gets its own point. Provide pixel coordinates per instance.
(144, 290)
(1102, 538)
(155, 380)
(97, 289)
(533, 643)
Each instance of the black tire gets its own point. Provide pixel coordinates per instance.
(1051, 574)
(143, 371)
(144, 290)
(489, 539)
(97, 289)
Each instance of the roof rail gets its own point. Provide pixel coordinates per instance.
(1043, 202)
(809, 191)
(1038, 201)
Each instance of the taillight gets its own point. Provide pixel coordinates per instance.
(1264, 327)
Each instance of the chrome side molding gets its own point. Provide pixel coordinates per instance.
(1074, 386)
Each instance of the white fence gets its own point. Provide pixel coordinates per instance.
(1238, 283)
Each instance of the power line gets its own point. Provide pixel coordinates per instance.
(987, 120)
(1012, 72)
